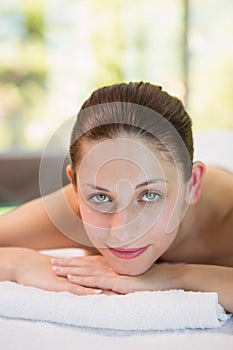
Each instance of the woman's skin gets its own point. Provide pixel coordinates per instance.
(203, 238)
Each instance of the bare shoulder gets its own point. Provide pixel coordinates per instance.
(217, 190)
(213, 173)
(206, 233)
(218, 202)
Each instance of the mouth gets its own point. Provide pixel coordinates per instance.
(127, 253)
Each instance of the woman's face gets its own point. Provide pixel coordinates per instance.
(131, 201)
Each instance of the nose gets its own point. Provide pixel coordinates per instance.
(122, 226)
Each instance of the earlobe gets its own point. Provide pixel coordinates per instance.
(69, 174)
(195, 182)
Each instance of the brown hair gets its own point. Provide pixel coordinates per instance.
(139, 109)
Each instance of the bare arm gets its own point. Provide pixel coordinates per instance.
(30, 226)
(218, 279)
(30, 268)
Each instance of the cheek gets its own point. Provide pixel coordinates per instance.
(173, 210)
(165, 224)
(174, 213)
(95, 224)
(90, 216)
(159, 238)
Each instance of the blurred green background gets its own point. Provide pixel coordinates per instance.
(6, 209)
(53, 54)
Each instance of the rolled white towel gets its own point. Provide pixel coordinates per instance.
(161, 310)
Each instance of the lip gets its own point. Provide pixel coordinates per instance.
(127, 253)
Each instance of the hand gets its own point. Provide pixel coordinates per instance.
(95, 272)
(84, 266)
(30, 268)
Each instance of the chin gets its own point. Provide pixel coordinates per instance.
(128, 268)
(128, 272)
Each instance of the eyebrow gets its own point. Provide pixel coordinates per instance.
(145, 183)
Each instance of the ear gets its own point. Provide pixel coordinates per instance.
(69, 174)
(195, 182)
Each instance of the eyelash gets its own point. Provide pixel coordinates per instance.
(98, 194)
(155, 193)
(91, 198)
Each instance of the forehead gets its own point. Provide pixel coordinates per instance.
(120, 158)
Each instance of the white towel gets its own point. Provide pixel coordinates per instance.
(162, 310)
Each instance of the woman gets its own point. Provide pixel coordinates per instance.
(140, 204)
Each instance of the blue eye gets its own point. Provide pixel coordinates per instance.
(100, 198)
(150, 197)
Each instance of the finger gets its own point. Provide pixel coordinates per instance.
(77, 289)
(74, 261)
(82, 271)
(80, 261)
(119, 284)
(64, 271)
(110, 292)
(100, 282)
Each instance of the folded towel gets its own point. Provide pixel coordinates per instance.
(174, 309)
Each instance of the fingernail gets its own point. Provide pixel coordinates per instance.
(97, 291)
(57, 268)
(55, 261)
(70, 277)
